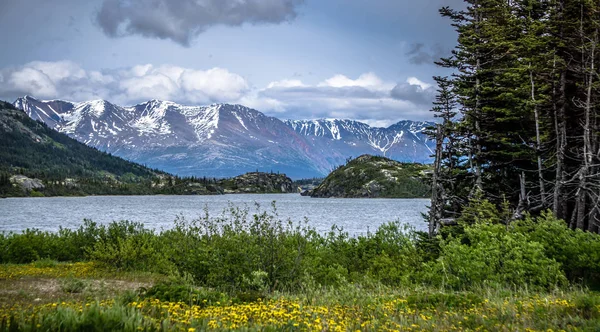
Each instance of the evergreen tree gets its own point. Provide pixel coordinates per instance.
(526, 82)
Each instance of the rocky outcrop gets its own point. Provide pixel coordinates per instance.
(201, 189)
(26, 183)
(372, 177)
(258, 182)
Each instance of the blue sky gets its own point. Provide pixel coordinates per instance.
(364, 60)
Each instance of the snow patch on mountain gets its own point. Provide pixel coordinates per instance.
(207, 140)
(239, 118)
(206, 122)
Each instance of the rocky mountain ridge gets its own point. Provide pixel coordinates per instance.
(36, 160)
(223, 140)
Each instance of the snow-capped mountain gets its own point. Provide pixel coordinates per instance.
(224, 140)
(404, 141)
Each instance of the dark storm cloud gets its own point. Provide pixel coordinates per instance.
(413, 93)
(419, 54)
(182, 20)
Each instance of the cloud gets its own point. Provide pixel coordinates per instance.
(67, 80)
(368, 80)
(415, 91)
(418, 54)
(286, 84)
(182, 20)
(366, 98)
(30, 79)
(418, 82)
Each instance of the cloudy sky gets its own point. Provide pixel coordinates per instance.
(368, 60)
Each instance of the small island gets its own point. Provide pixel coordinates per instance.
(374, 177)
(257, 183)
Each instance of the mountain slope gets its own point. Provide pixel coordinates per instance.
(403, 141)
(32, 145)
(224, 140)
(55, 164)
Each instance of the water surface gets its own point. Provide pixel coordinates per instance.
(355, 215)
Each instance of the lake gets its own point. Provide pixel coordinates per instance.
(355, 215)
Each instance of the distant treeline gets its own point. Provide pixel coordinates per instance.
(67, 167)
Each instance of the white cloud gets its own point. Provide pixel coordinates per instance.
(139, 70)
(67, 80)
(98, 77)
(285, 84)
(214, 84)
(416, 81)
(30, 79)
(59, 70)
(365, 98)
(153, 85)
(367, 80)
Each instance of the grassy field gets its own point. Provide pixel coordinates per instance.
(254, 272)
(73, 297)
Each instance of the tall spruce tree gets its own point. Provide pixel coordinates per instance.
(526, 81)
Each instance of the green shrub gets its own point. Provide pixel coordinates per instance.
(73, 285)
(179, 291)
(588, 305)
(578, 252)
(491, 254)
(224, 252)
(20, 250)
(443, 301)
(129, 246)
(35, 193)
(253, 254)
(92, 318)
(45, 263)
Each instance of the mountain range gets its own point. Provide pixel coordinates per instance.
(223, 140)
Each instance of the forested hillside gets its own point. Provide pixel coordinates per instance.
(64, 166)
(520, 121)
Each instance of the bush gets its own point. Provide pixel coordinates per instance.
(225, 252)
(577, 252)
(20, 249)
(73, 285)
(35, 193)
(253, 254)
(32, 244)
(178, 291)
(488, 253)
(128, 246)
(92, 318)
(444, 301)
(45, 263)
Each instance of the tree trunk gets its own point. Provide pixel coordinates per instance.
(587, 142)
(437, 200)
(538, 141)
(559, 205)
(523, 205)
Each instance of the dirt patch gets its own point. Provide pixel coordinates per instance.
(33, 290)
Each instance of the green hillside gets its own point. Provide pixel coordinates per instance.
(373, 176)
(36, 160)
